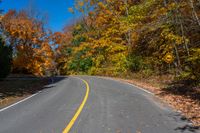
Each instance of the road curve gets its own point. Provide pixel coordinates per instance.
(110, 107)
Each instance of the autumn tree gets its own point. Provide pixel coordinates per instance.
(146, 36)
(93, 48)
(30, 41)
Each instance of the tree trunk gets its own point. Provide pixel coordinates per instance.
(194, 12)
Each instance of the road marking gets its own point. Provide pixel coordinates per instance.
(124, 82)
(76, 115)
(18, 102)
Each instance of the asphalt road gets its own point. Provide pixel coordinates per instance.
(110, 107)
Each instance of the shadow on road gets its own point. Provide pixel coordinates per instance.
(188, 128)
(185, 124)
(19, 87)
(187, 89)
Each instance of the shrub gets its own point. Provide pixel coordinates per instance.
(135, 63)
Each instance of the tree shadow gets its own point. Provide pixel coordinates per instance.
(20, 86)
(188, 89)
(185, 123)
(188, 127)
(184, 88)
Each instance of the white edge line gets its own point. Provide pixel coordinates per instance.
(124, 82)
(18, 102)
(77, 78)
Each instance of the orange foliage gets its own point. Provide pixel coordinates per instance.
(33, 53)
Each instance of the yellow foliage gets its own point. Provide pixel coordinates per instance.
(81, 3)
(101, 5)
(32, 54)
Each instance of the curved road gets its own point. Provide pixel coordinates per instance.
(105, 106)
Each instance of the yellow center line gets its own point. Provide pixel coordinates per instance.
(76, 115)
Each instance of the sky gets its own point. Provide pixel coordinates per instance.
(57, 10)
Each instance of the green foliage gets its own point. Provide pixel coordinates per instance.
(78, 40)
(135, 62)
(80, 63)
(85, 64)
(78, 29)
(5, 59)
(68, 51)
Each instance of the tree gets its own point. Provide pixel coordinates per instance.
(5, 59)
(31, 42)
(118, 36)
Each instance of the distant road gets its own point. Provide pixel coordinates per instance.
(91, 105)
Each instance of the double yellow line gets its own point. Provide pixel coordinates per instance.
(76, 115)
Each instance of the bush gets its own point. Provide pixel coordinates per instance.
(5, 59)
(80, 62)
(135, 63)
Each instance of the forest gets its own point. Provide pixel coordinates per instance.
(129, 39)
(113, 38)
(123, 37)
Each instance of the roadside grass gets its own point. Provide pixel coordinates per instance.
(14, 89)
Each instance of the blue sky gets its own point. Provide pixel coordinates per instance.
(57, 10)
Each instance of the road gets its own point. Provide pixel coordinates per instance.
(87, 104)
